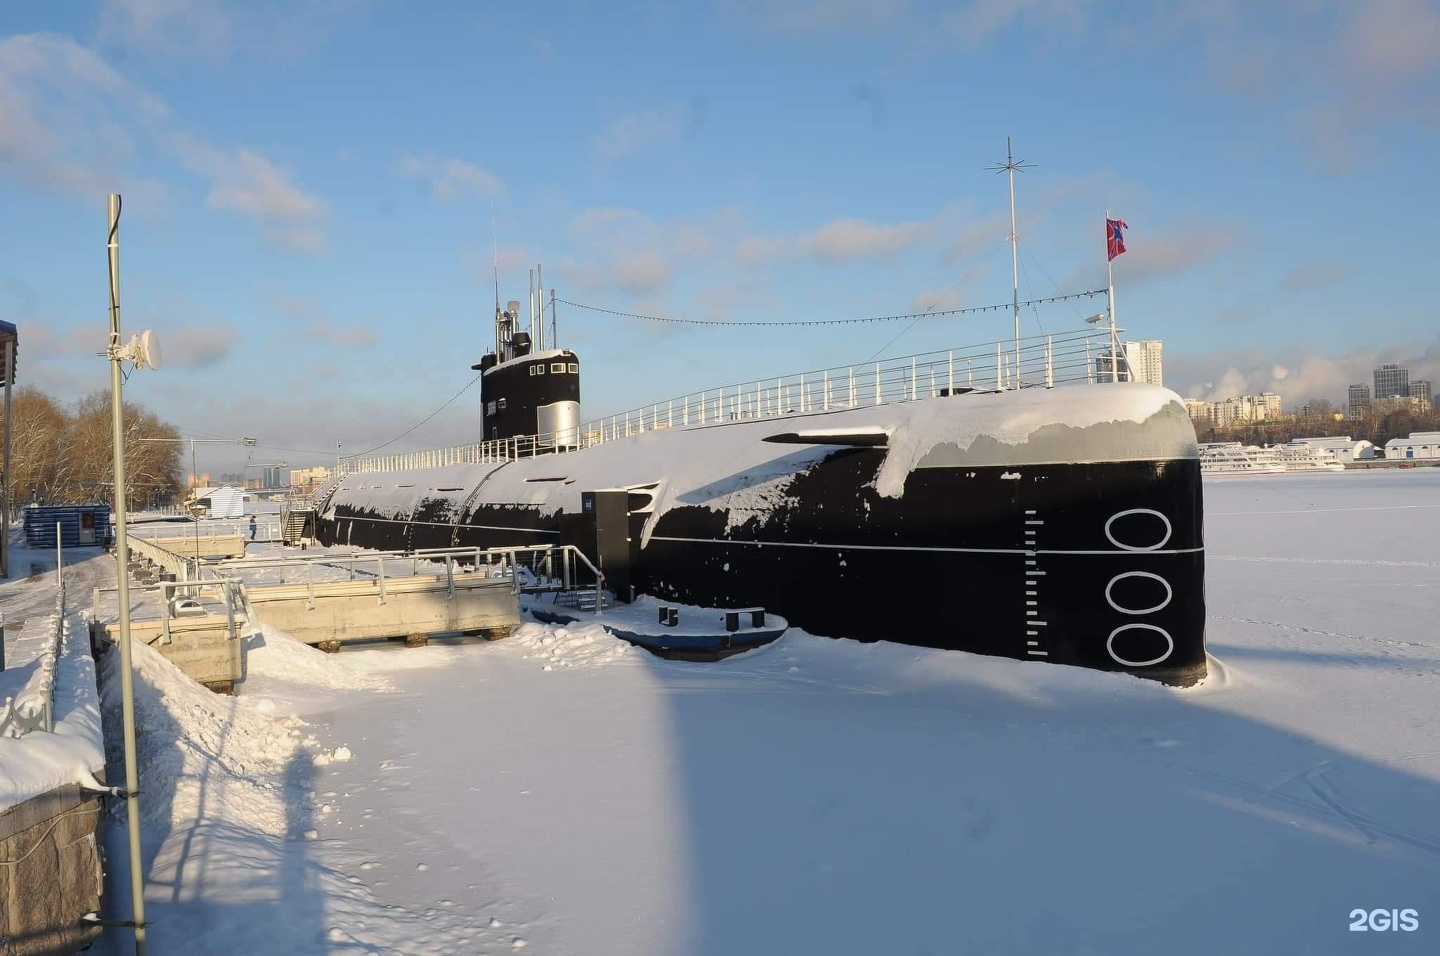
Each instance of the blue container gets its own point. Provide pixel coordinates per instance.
(81, 526)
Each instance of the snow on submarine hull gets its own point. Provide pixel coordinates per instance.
(1061, 524)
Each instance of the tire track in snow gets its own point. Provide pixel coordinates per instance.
(1313, 630)
(1326, 798)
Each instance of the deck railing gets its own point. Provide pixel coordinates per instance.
(1040, 361)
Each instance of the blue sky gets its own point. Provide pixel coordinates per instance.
(310, 189)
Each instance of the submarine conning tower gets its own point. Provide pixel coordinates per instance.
(528, 393)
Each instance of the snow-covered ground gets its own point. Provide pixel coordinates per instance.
(567, 793)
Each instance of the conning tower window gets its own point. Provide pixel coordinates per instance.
(557, 367)
(574, 368)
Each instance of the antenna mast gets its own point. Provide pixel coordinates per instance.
(1011, 166)
(495, 239)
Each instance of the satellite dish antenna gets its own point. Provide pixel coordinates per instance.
(142, 351)
(148, 350)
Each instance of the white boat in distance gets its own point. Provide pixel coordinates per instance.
(1219, 459)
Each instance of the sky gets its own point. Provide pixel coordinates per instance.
(316, 193)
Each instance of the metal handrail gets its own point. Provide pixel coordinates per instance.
(34, 707)
(505, 561)
(1037, 361)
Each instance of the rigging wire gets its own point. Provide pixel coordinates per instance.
(871, 318)
(938, 299)
(427, 418)
(1041, 266)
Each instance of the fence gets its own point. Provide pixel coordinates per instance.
(1039, 361)
(34, 707)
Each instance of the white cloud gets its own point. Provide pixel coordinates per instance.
(68, 120)
(200, 346)
(71, 124)
(1299, 376)
(624, 250)
(1314, 275)
(189, 27)
(979, 21)
(1171, 251)
(452, 179)
(625, 136)
(820, 16)
(841, 240)
(937, 300)
(328, 333)
(249, 184)
(214, 29)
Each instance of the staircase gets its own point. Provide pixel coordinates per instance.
(298, 524)
(583, 599)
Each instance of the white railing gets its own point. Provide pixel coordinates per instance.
(34, 707)
(1040, 361)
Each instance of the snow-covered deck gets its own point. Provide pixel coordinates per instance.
(1037, 361)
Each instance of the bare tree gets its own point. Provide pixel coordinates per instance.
(65, 456)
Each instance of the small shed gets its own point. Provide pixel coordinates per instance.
(226, 501)
(81, 526)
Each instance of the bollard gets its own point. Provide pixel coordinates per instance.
(664, 613)
(673, 617)
(732, 620)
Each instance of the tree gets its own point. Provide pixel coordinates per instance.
(62, 457)
(39, 461)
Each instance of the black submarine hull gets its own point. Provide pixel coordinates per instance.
(1077, 540)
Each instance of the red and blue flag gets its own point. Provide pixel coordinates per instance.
(1114, 238)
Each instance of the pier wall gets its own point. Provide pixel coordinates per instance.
(49, 873)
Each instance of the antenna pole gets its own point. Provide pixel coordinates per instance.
(1011, 166)
(1014, 257)
(122, 569)
(1110, 300)
(554, 331)
(495, 240)
(540, 297)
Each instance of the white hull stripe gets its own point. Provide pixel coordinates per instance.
(903, 547)
(441, 524)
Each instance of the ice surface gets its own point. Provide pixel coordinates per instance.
(823, 796)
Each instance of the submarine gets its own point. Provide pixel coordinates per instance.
(1015, 504)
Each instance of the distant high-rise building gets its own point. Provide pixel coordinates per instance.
(1144, 359)
(1420, 388)
(1392, 380)
(1139, 362)
(1359, 402)
(272, 478)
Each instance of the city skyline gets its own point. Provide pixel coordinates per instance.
(316, 195)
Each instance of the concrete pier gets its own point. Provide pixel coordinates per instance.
(413, 608)
(49, 873)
